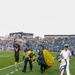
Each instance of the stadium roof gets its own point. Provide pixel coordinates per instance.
(22, 33)
(61, 35)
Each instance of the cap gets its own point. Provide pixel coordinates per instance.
(66, 45)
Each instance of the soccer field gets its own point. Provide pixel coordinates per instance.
(7, 61)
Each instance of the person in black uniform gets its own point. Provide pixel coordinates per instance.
(27, 58)
(16, 47)
(41, 60)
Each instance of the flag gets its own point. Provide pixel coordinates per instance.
(63, 65)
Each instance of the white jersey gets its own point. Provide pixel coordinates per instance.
(65, 54)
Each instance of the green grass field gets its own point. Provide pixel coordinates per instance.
(7, 59)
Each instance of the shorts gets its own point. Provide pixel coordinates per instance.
(16, 58)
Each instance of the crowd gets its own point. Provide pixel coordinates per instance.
(53, 45)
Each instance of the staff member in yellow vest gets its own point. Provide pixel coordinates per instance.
(27, 58)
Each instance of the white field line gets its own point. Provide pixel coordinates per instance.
(7, 74)
(12, 72)
(9, 66)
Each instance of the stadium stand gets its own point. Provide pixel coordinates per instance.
(55, 44)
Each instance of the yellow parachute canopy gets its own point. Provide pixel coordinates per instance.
(49, 59)
(28, 53)
(33, 58)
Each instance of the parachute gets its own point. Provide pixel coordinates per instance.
(30, 55)
(33, 58)
(49, 59)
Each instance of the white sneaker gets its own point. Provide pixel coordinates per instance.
(69, 74)
(16, 69)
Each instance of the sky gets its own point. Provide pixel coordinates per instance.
(40, 17)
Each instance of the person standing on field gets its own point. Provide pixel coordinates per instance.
(41, 60)
(27, 58)
(16, 54)
(66, 55)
